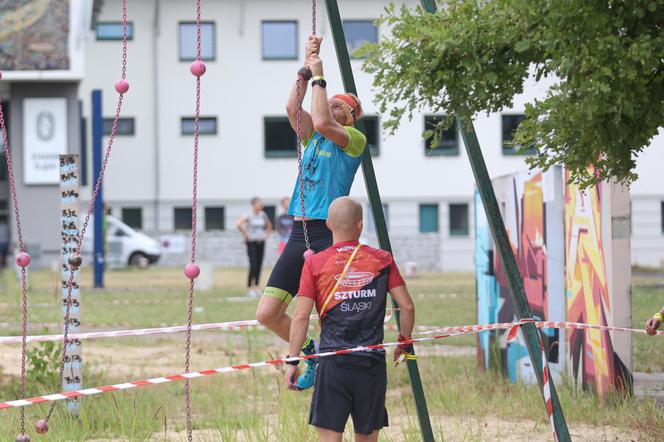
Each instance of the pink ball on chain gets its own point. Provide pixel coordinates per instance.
(22, 259)
(22, 438)
(192, 270)
(75, 261)
(122, 86)
(308, 253)
(197, 68)
(41, 426)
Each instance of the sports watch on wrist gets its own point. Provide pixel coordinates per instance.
(319, 82)
(292, 362)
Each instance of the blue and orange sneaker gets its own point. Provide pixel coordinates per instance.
(306, 379)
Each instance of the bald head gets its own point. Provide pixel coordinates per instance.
(345, 216)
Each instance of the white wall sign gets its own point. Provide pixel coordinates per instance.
(44, 139)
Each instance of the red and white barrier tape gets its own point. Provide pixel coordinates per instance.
(538, 324)
(197, 374)
(233, 325)
(238, 325)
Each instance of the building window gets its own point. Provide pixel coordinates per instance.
(112, 31)
(182, 218)
(133, 217)
(188, 41)
(215, 218)
(458, 219)
(448, 145)
(428, 218)
(279, 40)
(280, 138)
(206, 126)
(358, 32)
(126, 126)
(372, 132)
(510, 123)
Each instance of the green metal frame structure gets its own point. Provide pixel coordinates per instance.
(496, 224)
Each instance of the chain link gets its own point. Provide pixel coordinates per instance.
(194, 210)
(300, 146)
(21, 246)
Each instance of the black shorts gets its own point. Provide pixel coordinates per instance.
(284, 280)
(350, 385)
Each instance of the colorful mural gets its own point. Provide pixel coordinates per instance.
(34, 35)
(532, 212)
(570, 270)
(593, 362)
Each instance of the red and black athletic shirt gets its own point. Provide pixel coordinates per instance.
(354, 315)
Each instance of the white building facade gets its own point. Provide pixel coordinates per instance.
(252, 50)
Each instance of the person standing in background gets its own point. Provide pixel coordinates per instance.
(284, 225)
(4, 242)
(255, 228)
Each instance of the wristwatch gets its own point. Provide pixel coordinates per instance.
(320, 82)
(292, 362)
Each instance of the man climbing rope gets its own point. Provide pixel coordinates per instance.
(332, 154)
(349, 283)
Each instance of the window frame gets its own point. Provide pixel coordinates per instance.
(441, 151)
(278, 153)
(130, 31)
(214, 40)
(140, 214)
(513, 151)
(193, 119)
(223, 218)
(371, 21)
(175, 210)
(375, 150)
(435, 206)
(661, 215)
(296, 36)
(458, 233)
(109, 121)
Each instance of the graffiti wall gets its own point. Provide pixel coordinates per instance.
(532, 212)
(34, 35)
(572, 270)
(590, 227)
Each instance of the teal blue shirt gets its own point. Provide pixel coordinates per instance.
(328, 171)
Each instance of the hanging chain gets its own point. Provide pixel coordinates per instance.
(91, 207)
(300, 146)
(194, 207)
(21, 246)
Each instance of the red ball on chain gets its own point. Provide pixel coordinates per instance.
(192, 270)
(305, 73)
(22, 438)
(122, 86)
(308, 253)
(75, 261)
(41, 426)
(197, 68)
(22, 259)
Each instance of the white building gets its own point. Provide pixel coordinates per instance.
(252, 50)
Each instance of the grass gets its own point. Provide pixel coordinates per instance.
(463, 402)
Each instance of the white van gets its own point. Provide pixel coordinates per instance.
(126, 246)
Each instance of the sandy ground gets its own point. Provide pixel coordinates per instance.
(455, 429)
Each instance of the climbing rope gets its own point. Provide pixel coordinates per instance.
(75, 260)
(303, 75)
(192, 269)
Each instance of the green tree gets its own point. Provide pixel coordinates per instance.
(474, 56)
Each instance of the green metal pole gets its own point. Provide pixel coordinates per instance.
(376, 206)
(465, 122)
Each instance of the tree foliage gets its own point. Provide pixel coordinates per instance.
(471, 56)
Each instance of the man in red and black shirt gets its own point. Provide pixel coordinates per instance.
(348, 283)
